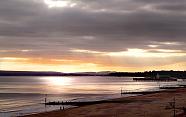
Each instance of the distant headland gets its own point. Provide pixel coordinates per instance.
(171, 73)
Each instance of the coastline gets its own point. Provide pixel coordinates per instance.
(152, 105)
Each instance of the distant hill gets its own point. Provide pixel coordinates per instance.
(34, 73)
(175, 74)
(29, 73)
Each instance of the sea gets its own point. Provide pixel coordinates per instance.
(23, 95)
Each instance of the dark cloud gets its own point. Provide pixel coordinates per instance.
(177, 7)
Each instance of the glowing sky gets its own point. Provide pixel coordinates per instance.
(92, 35)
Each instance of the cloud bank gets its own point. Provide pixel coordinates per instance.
(97, 32)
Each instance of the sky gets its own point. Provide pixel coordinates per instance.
(92, 35)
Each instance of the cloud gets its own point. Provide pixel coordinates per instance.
(97, 26)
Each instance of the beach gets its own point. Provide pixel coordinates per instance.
(92, 58)
(150, 105)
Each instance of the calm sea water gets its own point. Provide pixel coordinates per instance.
(25, 95)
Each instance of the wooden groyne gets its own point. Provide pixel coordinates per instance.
(140, 92)
(183, 85)
(155, 80)
(85, 103)
(73, 103)
(76, 103)
(169, 87)
(164, 89)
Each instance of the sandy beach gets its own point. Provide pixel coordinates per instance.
(151, 105)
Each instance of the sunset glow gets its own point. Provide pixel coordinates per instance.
(82, 57)
(79, 36)
(58, 81)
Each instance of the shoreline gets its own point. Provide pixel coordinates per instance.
(150, 104)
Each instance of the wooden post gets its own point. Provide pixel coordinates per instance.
(174, 100)
(45, 101)
(45, 98)
(121, 90)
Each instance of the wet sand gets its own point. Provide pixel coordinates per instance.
(150, 105)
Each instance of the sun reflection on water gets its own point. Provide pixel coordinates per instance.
(59, 81)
